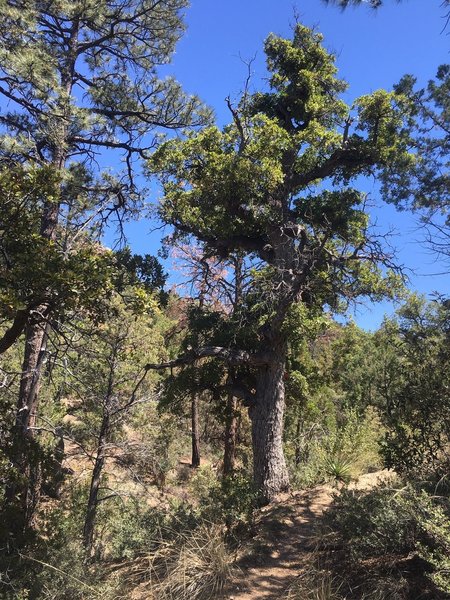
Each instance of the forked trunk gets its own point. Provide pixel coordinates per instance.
(92, 505)
(267, 415)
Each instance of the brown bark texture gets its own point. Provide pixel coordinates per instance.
(92, 505)
(267, 415)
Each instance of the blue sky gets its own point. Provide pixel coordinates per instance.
(374, 49)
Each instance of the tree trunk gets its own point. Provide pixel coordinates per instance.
(25, 452)
(13, 333)
(298, 457)
(195, 460)
(34, 356)
(91, 509)
(269, 466)
(229, 455)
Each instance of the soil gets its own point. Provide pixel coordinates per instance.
(286, 543)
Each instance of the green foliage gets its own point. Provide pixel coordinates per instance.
(338, 469)
(289, 134)
(335, 446)
(435, 549)
(136, 270)
(386, 520)
(33, 270)
(38, 63)
(136, 531)
(414, 385)
(332, 429)
(425, 188)
(374, 523)
(156, 446)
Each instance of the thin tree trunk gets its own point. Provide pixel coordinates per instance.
(231, 426)
(38, 328)
(25, 453)
(195, 460)
(25, 448)
(231, 421)
(298, 456)
(269, 465)
(13, 333)
(92, 505)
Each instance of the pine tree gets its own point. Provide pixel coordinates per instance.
(81, 78)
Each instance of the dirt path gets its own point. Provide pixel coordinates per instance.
(286, 540)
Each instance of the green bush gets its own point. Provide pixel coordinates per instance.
(434, 545)
(135, 532)
(373, 523)
(340, 450)
(231, 500)
(387, 521)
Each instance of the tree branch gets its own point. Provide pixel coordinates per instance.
(15, 331)
(231, 356)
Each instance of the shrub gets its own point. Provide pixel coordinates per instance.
(231, 500)
(373, 523)
(136, 532)
(386, 521)
(340, 451)
(434, 545)
(315, 584)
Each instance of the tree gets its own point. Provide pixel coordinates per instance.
(81, 78)
(33, 270)
(426, 188)
(414, 385)
(275, 186)
(375, 4)
(219, 290)
(371, 3)
(111, 382)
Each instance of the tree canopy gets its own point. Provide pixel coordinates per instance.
(284, 170)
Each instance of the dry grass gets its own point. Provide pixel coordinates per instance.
(193, 566)
(315, 584)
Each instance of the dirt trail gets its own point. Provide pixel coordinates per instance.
(286, 540)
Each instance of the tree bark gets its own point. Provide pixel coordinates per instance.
(37, 329)
(25, 453)
(13, 333)
(91, 509)
(229, 455)
(195, 460)
(298, 457)
(267, 414)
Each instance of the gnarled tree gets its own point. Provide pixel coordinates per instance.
(275, 185)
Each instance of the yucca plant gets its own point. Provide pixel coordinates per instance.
(338, 468)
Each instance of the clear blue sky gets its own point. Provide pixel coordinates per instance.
(374, 49)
